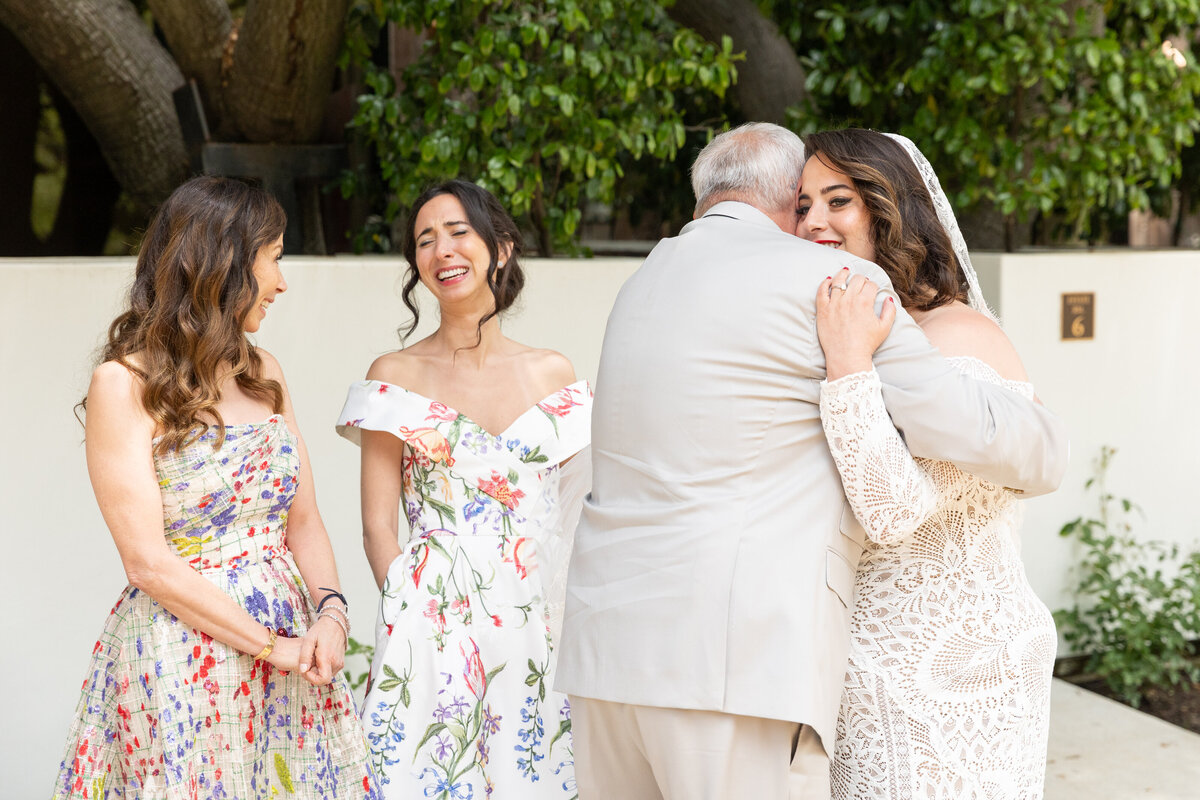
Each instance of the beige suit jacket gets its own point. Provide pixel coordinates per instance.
(714, 560)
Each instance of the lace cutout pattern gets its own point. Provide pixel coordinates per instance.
(947, 691)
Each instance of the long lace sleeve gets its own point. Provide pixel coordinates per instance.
(889, 491)
(575, 482)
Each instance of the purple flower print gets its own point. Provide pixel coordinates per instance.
(443, 747)
(257, 606)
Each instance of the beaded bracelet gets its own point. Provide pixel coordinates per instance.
(266, 651)
(345, 627)
(339, 610)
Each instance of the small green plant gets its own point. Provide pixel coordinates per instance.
(1137, 609)
(356, 653)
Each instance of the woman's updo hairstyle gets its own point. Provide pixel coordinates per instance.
(493, 224)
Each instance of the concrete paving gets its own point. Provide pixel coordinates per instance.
(1102, 750)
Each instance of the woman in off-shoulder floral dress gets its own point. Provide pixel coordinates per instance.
(489, 478)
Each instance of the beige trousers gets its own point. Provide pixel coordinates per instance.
(629, 752)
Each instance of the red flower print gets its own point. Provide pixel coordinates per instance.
(440, 411)
(499, 488)
(473, 670)
(496, 620)
(429, 443)
(559, 403)
(420, 567)
(383, 387)
(432, 613)
(514, 557)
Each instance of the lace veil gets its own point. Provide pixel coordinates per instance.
(946, 216)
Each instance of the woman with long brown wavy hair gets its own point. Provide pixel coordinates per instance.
(216, 672)
(947, 690)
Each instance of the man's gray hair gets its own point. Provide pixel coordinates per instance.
(757, 163)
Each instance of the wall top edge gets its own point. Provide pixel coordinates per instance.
(345, 260)
(342, 261)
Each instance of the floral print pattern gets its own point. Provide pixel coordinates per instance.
(166, 711)
(459, 705)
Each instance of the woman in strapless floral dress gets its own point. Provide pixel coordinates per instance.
(216, 673)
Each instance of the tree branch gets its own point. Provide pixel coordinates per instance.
(283, 68)
(771, 78)
(198, 32)
(106, 62)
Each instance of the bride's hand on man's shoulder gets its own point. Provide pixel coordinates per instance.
(848, 328)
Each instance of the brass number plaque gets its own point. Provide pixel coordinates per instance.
(1078, 315)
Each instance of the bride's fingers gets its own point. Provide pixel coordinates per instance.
(887, 315)
(823, 291)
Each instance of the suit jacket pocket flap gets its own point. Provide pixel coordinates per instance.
(853, 530)
(839, 576)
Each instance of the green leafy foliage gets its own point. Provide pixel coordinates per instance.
(1073, 118)
(1137, 610)
(358, 662)
(544, 103)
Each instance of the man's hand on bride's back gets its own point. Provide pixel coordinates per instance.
(848, 328)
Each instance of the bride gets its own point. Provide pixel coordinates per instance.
(947, 690)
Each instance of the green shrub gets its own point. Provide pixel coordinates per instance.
(544, 103)
(1065, 111)
(1137, 610)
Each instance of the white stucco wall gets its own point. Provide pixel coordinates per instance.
(1133, 387)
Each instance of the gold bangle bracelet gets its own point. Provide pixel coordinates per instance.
(266, 651)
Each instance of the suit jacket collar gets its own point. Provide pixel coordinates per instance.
(739, 211)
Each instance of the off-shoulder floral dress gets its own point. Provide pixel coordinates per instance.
(947, 692)
(166, 712)
(459, 703)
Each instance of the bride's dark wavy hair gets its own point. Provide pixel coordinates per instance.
(493, 224)
(910, 243)
(192, 290)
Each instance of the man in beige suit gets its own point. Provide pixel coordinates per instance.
(706, 630)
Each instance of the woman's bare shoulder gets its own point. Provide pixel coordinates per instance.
(399, 367)
(116, 379)
(958, 330)
(270, 365)
(114, 396)
(549, 368)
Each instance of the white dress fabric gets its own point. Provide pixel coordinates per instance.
(459, 703)
(947, 689)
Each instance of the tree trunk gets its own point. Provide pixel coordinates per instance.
(201, 36)
(18, 136)
(283, 68)
(771, 78)
(105, 60)
(90, 192)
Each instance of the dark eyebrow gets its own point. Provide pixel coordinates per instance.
(826, 190)
(447, 224)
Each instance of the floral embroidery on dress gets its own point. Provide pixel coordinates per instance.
(459, 703)
(166, 711)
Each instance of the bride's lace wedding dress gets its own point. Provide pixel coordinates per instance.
(948, 685)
